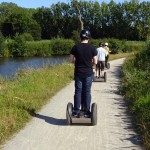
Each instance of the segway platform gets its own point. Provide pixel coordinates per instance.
(100, 79)
(81, 120)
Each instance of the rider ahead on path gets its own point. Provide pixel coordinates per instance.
(83, 55)
(101, 55)
(108, 52)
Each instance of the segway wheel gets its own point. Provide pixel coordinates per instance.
(69, 113)
(108, 65)
(94, 114)
(105, 77)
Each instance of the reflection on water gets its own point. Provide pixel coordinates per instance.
(9, 66)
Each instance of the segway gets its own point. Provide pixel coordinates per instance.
(92, 119)
(107, 65)
(100, 78)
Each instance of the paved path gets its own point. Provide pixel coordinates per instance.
(114, 131)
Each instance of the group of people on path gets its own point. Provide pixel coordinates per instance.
(84, 55)
(102, 57)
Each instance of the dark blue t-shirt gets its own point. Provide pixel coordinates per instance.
(83, 53)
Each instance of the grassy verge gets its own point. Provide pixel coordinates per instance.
(136, 88)
(30, 90)
(120, 55)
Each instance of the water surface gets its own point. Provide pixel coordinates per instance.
(10, 66)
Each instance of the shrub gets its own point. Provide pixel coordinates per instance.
(5, 52)
(1, 41)
(115, 46)
(127, 48)
(95, 42)
(27, 37)
(61, 46)
(136, 88)
(76, 36)
(131, 46)
(5, 49)
(142, 106)
(39, 48)
(148, 47)
(17, 47)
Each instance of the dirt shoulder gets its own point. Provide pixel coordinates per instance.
(114, 130)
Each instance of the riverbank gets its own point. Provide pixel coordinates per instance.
(30, 90)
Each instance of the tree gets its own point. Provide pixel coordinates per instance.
(19, 21)
(75, 4)
(44, 17)
(128, 20)
(131, 15)
(144, 21)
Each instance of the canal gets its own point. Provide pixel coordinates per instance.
(10, 66)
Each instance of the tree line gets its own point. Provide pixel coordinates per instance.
(127, 20)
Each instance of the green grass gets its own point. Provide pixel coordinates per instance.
(120, 55)
(30, 90)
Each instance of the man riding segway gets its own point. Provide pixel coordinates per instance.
(83, 55)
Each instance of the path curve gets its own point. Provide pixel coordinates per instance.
(114, 131)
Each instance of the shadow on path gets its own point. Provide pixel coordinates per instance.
(51, 120)
(54, 121)
(129, 122)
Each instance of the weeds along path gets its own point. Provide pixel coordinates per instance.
(49, 131)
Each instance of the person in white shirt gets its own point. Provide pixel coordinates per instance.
(101, 55)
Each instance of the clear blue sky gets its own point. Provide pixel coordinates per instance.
(48, 3)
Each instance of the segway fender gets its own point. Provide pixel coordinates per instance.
(94, 114)
(69, 113)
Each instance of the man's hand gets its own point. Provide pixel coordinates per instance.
(95, 60)
(72, 59)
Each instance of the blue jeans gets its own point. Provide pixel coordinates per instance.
(82, 93)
